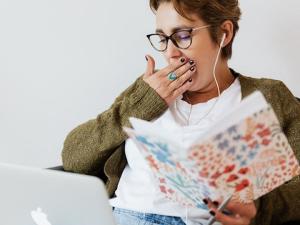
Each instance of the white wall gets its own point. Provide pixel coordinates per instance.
(64, 61)
(268, 43)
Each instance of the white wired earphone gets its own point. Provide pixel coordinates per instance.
(215, 79)
(214, 74)
(216, 61)
(223, 39)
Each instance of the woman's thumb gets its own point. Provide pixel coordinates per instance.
(150, 65)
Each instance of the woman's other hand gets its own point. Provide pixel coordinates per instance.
(240, 213)
(160, 81)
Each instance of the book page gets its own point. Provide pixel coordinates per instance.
(245, 155)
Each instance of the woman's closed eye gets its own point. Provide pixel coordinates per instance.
(182, 36)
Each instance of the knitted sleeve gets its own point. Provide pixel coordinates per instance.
(88, 146)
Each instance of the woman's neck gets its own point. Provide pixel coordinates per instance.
(224, 81)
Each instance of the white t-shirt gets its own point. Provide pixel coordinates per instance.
(137, 190)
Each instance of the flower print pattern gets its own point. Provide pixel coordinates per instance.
(247, 160)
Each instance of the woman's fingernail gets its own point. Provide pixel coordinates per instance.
(146, 58)
(191, 62)
(205, 201)
(192, 68)
(211, 212)
(216, 203)
(182, 60)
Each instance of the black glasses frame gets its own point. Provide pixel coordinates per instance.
(190, 30)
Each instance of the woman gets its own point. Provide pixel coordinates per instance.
(193, 91)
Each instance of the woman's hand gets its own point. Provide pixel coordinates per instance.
(168, 89)
(240, 214)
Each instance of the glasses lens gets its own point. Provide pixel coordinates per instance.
(159, 42)
(182, 38)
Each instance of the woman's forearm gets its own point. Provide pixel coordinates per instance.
(92, 142)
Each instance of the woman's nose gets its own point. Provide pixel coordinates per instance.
(172, 51)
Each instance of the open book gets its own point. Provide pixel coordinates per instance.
(245, 155)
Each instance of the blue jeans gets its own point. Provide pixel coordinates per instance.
(128, 217)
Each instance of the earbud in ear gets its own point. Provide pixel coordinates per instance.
(223, 39)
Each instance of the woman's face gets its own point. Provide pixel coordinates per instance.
(203, 50)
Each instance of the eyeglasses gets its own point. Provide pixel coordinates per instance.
(181, 39)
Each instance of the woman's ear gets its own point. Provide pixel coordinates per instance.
(227, 29)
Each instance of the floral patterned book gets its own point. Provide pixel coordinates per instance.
(246, 155)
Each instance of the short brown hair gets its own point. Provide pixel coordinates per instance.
(213, 12)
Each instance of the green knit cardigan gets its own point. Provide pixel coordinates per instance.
(97, 146)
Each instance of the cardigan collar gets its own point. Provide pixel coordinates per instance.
(247, 84)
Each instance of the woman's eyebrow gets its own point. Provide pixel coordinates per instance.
(173, 29)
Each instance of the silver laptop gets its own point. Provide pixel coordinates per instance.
(33, 196)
